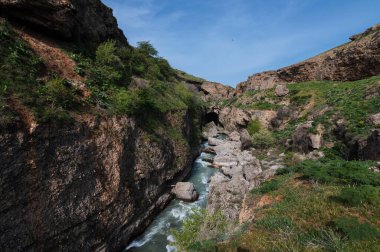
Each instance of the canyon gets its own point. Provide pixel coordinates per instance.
(88, 164)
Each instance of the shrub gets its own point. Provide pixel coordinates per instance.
(355, 196)
(269, 186)
(262, 140)
(338, 171)
(354, 230)
(109, 69)
(254, 127)
(59, 93)
(199, 230)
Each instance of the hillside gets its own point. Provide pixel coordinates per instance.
(355, 60)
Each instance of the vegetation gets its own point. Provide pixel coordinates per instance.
(108, 73)
(200, 231)
(328, 205)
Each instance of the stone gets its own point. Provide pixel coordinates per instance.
(185, 191)
(315, 141)
(303, 141)
(209, 150)
(375, 119)
(214, 141)
(234, 136)
(246, 140)
(210, 130)
(281, 90)
(86, 21)
(213, 90)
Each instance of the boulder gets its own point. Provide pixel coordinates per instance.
(185, 191)
(375, 119)
(246, 140)
(281, 90)
(210, 130)
(234, 136)
(303, 141)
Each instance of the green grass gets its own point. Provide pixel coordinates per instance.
(19, 78)
(317, 208)
(346, 99)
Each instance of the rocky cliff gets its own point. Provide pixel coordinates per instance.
(78, 172)
(86, 21)
(352, 61)
(89, 186)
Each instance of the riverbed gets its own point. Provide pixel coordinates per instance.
(157, 236)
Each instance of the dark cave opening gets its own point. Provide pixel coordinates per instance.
(213, 117)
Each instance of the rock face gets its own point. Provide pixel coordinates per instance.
(86, 21)
(215, 91)
(235, 119)
(369, 149)
(90, 186)
(353, 61)
(240, 171)
(185, 191)
(304, 141)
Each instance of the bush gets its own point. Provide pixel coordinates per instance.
(199, 230)
(354, 230)
(262, 140)
(355, 196)
(338, 171)
(266, 187)
(254, 127)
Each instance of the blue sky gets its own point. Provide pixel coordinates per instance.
(228, 40)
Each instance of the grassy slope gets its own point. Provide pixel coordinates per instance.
(327, 205)
(310, 215)
(324, 102)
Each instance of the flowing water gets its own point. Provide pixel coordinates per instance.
(157, 236)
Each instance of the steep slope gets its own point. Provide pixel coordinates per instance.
(91, 140)
(352, 61)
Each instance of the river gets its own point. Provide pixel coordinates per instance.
(157, 236)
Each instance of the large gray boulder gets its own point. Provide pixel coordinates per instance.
(185, 191)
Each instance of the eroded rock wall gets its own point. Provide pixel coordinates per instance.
(352, 61)
(89, 186)
(86, 21)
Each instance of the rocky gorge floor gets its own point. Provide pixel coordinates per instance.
(239, 171)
